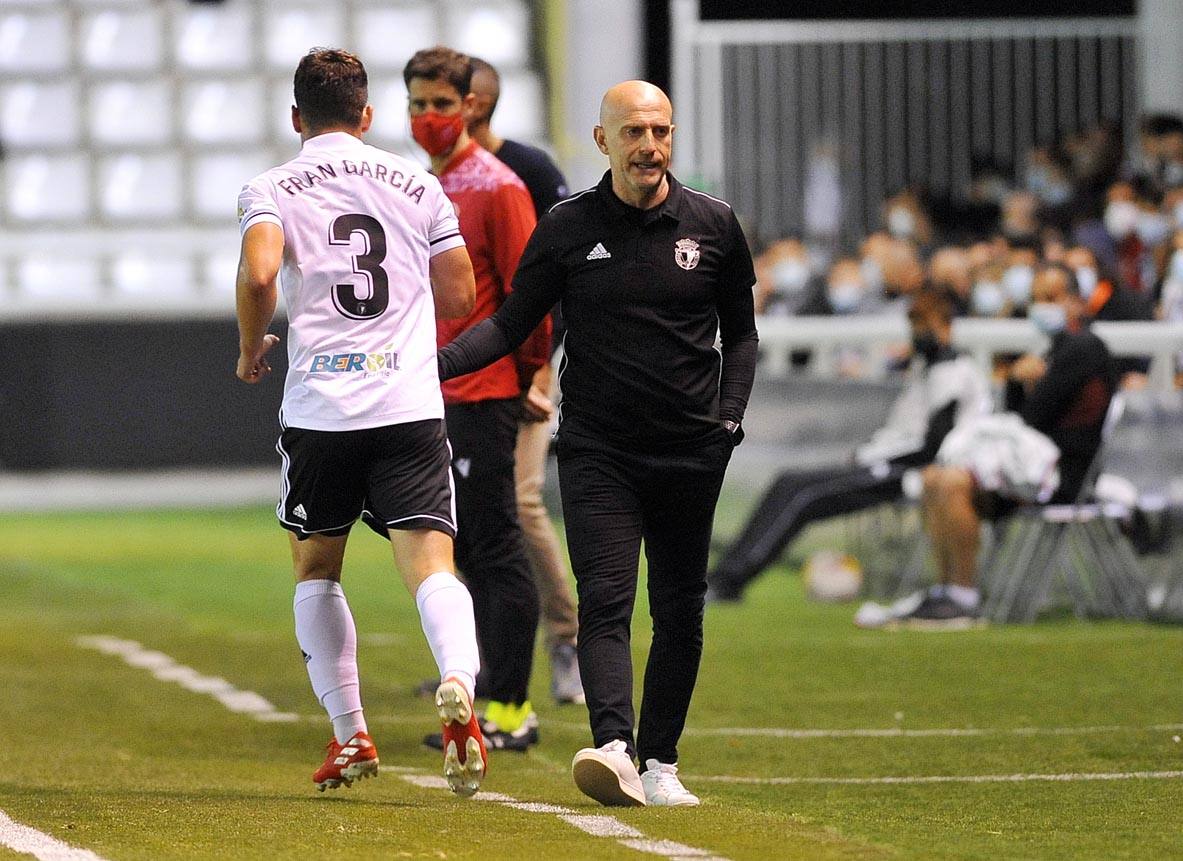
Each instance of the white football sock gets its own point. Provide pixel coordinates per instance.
(328, 639)
(445, 611)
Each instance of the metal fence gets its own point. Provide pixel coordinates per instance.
(771, 113)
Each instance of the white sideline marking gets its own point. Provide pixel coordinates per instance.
(947, 778)
(899, 732)
(30, 841)
(167, 670)
(596, 825)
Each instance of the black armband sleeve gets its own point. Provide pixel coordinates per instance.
(737, 328)
(479, 346)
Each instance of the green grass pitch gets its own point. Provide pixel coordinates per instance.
(105, 757)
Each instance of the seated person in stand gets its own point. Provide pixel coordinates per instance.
(1064, 395)
(943, 388)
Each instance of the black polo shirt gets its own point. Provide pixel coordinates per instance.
(644, 294)
(543, 179)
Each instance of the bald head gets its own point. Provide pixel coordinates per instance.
(629, 96)
(636, 133)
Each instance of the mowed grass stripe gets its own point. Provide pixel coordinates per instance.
(146, 770)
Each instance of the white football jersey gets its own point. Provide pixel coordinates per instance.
(359, 226)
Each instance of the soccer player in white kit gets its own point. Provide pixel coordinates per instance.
(368, 251)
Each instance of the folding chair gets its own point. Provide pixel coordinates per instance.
(1080, 542)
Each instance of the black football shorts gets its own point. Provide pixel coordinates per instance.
(395, 477)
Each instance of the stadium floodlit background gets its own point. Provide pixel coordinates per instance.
(152, 705)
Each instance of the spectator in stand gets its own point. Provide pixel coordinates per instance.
(1104, 298)
(1128, 231)
(942, 388)
(1064, 395)
(1019, 221)
(784, 279)
(1021, 260)
(988, 299)
(906, 218)
(949, 272)
(903, 275)
(1160, 160)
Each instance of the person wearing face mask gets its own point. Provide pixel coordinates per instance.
(845, 289)
(942, 389)
(1132, 229)
(783, 279)
(481, 410)
(1064, 394)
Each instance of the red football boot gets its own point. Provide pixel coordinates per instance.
(355, 759)
(465, 758)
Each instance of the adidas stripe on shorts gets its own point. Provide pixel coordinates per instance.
(395, 477)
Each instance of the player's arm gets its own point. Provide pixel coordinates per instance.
(255, 297)
(452, 283)
(537, 285)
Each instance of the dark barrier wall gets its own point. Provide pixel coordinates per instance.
(138, 395)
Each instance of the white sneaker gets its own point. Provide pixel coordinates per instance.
(662, 787)
(608, 775)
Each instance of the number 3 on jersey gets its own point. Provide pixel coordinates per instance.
(369, 265)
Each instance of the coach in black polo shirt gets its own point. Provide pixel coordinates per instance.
(648, 272)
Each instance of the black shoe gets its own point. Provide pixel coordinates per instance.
(519, 741)
(718, 593)
(940, 612)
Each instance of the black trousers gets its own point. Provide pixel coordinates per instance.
(796, 499)
(613, 499)
(490, 551)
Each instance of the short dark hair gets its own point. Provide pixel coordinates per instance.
(1070, 277)
(331, 88)
(931, 302)
(1157, 125)
(479, 65)
(440, 62)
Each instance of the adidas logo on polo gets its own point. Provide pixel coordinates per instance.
(599, 252)
(299, 512)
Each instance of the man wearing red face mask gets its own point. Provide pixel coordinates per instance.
(482, 409)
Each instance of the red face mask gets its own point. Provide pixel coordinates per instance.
(436, 133)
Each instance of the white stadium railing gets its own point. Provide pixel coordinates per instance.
(983, 339)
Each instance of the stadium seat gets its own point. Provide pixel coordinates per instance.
(219, 270)
(291, 29)
(34, 41)
(131, 112)
(215, 181)
(48, 188)
(37, 113)
(122, 39)
(1081, 542)
(386, 37)
(47, 278)
(214, 37)
(140, 187)
(497, 32)
(136, 273)
(223, 111)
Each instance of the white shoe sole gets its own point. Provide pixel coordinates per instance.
(685, 801)
(453, 706)
(464, 778)
(596, 778)
(357, 771)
